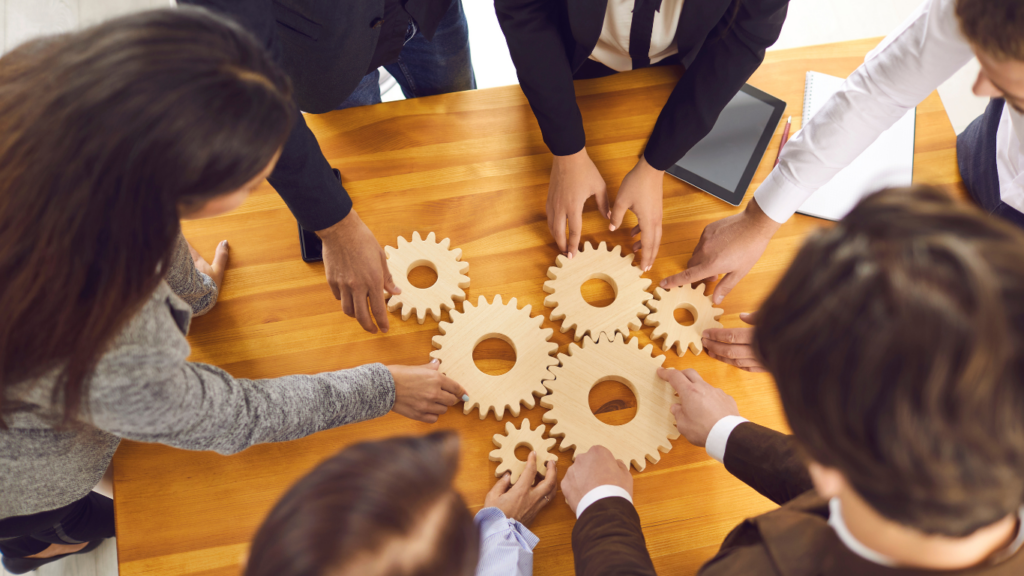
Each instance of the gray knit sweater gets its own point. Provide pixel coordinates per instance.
(143, 389)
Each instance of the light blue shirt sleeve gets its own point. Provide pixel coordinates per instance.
(506, 546)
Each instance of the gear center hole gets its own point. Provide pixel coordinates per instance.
(612, 402)
(422, 274)
(495, 356)
(599, 291)
(523, 452)
(685, 315)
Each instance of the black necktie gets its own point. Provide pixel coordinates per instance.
(640, 31)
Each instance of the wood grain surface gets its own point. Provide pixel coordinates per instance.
(472, 167)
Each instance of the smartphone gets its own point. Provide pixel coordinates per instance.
(312, 246)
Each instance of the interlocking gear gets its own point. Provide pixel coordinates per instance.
(534, 353)
(662, 316)
(444, 293)
(585, 366)
(567, 278)
(516, 437)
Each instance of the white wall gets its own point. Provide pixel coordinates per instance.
(24, 19)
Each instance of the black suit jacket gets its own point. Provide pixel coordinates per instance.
(325, 46)
(721, 43)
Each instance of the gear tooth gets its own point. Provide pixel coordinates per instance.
(603, 246)
(416, 236)
(646, 283)
(617, 250)
(388, 251)
(629, 258)
(402, 241)
(481, 301)
(660, 292)
(549, 287)
(458, 255)
(432, 238)
(497, 300)
(514, 303)
(438, 342)
(444, 243)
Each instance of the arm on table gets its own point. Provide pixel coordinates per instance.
(608, 540)
(196, 288)
(765, 460)
(506, 545)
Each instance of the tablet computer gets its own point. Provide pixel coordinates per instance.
(724, 162)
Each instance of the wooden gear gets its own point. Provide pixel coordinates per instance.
(585, 366)
(516, 437)
(534, 353)
(567, 278)
(444, 293)
(663, 307)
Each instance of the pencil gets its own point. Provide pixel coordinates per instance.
(785, 138)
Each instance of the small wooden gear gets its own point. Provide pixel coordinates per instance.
(585, 366)
(444, 293)
(567, 278)
(534, 353)
(516, 437)
(663, 307)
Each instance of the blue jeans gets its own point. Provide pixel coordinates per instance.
(425, 68)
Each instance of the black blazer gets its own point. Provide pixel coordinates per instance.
(721, 43)
(325, 46)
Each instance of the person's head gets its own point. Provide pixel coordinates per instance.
(384, 508)
(995, 29)
(897, 343)
(107, 137)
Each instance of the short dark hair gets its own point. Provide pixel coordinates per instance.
(995, 26)
(389, 504)
(896, 342)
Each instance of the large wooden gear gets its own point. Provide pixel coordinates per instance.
(444, 293)
(534, 353)
(635, 442)
(567, 278)
(662, 316)
(514, 437)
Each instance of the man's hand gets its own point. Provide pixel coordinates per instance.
(574, 178)
(357, 270)
(642, 191)
(730, 246)
(422, 393)
(701, 405)
(523, 501)
(595, 467)
(219, 266)
(733, 345)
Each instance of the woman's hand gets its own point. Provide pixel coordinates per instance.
(733, 345)
(422, 393)
(574, 178)
(522, 501)
(220, 262)
(642, 191)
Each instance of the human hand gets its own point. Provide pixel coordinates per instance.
(220, 262)
(733, 345)
(357, 270)
(595, 467)
(641, 191)
(574, 178)
(701, 405)
(522, 501)
(730, 246)
(422, 393)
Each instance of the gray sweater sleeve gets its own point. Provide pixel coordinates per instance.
(191, 285)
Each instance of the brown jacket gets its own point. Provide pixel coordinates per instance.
(794, 540)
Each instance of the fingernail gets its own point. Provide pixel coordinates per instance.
(611, 227)
(569, 255)
(533, 453)
(434, 361)
(706, 334)
(648, 269)
(718, 299)
(465, 397)
(224, 242)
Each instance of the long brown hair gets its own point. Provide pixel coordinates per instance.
(897, 342)
(104, 133)
(377, 509)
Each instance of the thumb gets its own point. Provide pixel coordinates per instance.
(389, 282)
(749, 318)
(618, 213)
(434, 364)
(725, 285)
(220, 257)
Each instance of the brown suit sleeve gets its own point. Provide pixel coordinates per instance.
(608, 540)
(767, 461)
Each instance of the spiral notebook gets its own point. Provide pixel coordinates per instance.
(889, 161)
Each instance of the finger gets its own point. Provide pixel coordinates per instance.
(501, 486)
(526, 478)
(346, 302)
(389, 281)
(602, 200)
(379, 308)
(728, 282)
(749, 317)
(737, 362)
(635, 230)
(575, 231)
(686, 277)
(362, 310)
(549, 484)
(447, 398)
(733, 351)
(220, 257)
(558, 230)
(427, 417)
(623, 466)
(435, 408)
(730, 335)
(454, 388)
(637, 246)
(618, 212)
(676, 379)
(649, 241)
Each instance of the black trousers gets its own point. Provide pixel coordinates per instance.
(976, 155)
(90, 519)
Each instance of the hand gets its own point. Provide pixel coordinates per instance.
(422, 393)
(220, 262)
(574, 178)
(357, 270)
(733, 345)
(730, 246)
(701, 405)
(522, 502)
(641, 191)
(595, 467)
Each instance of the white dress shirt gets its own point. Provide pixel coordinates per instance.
(612, 47)
(895, 77)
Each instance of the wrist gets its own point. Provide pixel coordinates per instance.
(645, 168)
(761, 221)
(571, 159)
(341, 227)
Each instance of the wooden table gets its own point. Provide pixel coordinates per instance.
(470, 166)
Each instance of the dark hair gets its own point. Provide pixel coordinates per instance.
(389, 504)
(896, 342)
(995, 26)
(104, 134)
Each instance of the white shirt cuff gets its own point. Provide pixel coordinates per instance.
(604, 491)
(719, 436)
(778, 198)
